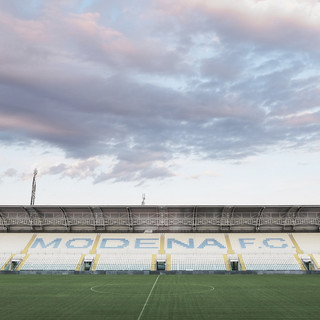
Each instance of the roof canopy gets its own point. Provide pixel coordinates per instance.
(159, 218)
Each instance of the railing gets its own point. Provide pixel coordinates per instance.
(139, 221)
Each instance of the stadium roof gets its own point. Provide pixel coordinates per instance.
(143, 218)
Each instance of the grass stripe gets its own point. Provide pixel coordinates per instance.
(140, 315)
(178, 297)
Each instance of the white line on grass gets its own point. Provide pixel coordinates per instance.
(148, 297)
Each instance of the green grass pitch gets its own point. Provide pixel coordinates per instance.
(141, 297)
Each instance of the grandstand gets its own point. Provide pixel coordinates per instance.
(159, 239)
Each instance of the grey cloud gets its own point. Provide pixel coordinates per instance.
(271, 27)
(11, 172)
(138, 163)
(80, 169)
(213, 126)
(134, 171)
(57, 169)
(226, 66)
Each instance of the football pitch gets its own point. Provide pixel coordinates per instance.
(141, 297)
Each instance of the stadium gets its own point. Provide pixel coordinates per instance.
(211, 107)
(158, 238)
(151, 256)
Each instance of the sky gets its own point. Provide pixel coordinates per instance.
(190, 102)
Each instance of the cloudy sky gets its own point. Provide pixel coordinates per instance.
(187, 101)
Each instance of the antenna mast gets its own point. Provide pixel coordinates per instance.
(143, 199)
(34, 187)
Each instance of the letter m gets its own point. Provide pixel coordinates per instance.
(39, 241)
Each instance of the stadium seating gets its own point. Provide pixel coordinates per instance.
(127, 251)
(3, 259)
(317, 260)
(270, 262)
(308, 242)
(60, 243)
(262, 243)
(51, 262)
(128, 243)
(196, 251)
(14, 242)
(190, 262)
(201, 243)
(124, 262)
(173, 251)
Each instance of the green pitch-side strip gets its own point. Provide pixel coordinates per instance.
(8, 261)
(95, 245)
(25, 250)
(300, 262)
(243, 266)
(23, 262)
(229, 246)
(294, 242)
(162, 251)
(168, 264)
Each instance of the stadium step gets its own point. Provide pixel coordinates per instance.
(95, 262)
(168, 264)
(315, 262)
(299, 262)
(23, 261)
(162, 239)
(242, 264)
(25, 250)
(95, 245)
(80, 263)
(227, 263)
(229, 246)
(294, 242)
(154, 262)
(6, 265)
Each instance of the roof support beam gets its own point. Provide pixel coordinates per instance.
(260, 214)
(4, 222)
(66, 220)
(98, 217)
(194, 218)
(130, 219)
